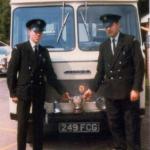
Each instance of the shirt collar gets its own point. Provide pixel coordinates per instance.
(32, 44)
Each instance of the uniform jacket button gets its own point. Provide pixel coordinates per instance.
(120, 62)
(120, 77)
(29, 67)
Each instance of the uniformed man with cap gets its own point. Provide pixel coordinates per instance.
(119, 78)
(29, 65)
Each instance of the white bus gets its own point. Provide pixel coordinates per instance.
(73, 34)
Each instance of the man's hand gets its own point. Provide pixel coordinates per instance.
(15, 99)
(87, 94)
(66, 96)
(134, 95)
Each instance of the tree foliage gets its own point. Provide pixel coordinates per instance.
(4, 20)
(143, 7)
(5, 17)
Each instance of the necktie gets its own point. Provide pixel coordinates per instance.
(113, 41)
(36, 49)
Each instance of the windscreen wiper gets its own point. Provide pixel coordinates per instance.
(85, 24)
(62, 27)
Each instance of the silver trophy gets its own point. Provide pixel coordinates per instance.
(77, 102)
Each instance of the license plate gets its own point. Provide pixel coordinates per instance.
(79, 127)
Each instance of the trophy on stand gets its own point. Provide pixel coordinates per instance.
(78, 100)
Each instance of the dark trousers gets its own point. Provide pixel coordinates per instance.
(23, 108)
(124, 121)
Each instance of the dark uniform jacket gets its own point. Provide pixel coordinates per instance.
(27, 71)
(118, 74)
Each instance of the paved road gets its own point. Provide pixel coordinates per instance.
(8, 132)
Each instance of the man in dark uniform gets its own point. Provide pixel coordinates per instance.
(119, 79)
(29, 65)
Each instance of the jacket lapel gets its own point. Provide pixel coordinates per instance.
(108, 51)
(31, 56)
(118, 49)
